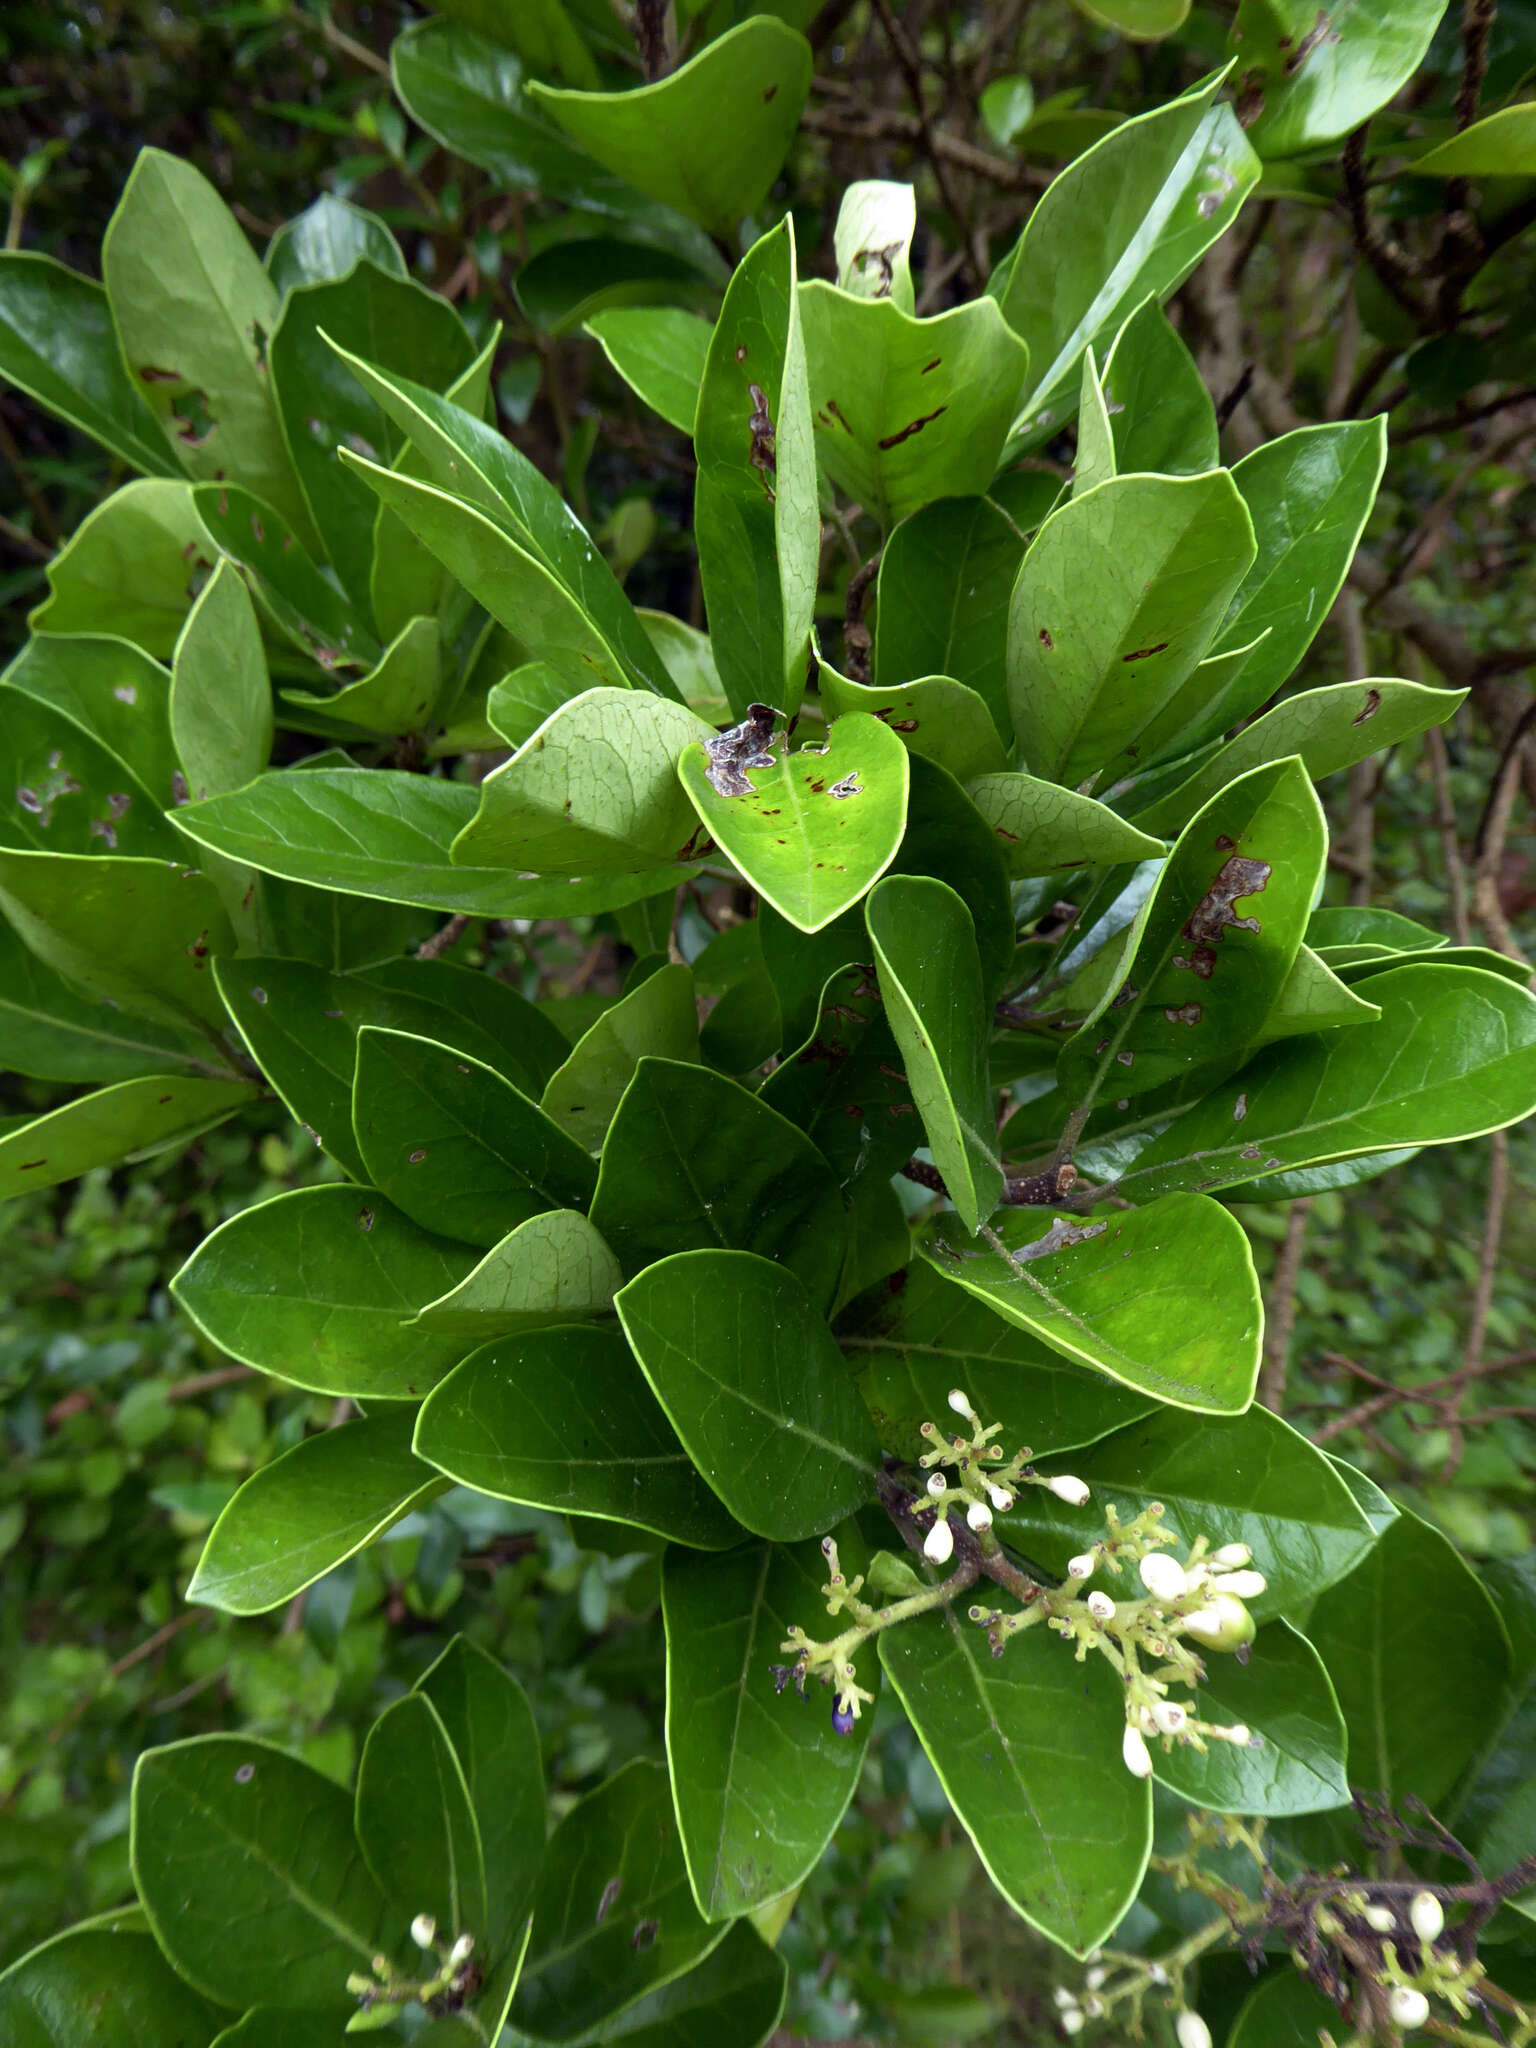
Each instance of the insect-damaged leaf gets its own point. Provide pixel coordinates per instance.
(933, 715)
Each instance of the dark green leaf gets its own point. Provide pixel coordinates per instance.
(1160, 412)
(111, 1989)
(1286, 2011)
(736, 1994)
(942, 600)
(115, 691)
(659, 351)
(63, 791)
(129, 1118)
(50, 1030)
(415, 1825)
(569, 281)
(844, 1088)
(1501, 145)
(1282, 1693)
(306, 607)
(220, 704)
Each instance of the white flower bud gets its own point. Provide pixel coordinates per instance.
(937, 1484)
(1063, 1998)
(939, 1544)
(961, 1405)
(1164, 1577)
(1169, 1717)
(979, 1515)
(1000, 1498)
(1096, 1978)
(1071, 2020)
(460, 1952)
(1081, 1567)
(1382, 1918)
(1157, 1975)
(1073, 1491)
(1240, 1735)
(1428, 1916)
(1138, 1758)
(1223, 1623)
(1192, 2031)
(1231, 1555)
(424, 1930)
(1408, 2008)
(1101, 1607)
(1242, 1585)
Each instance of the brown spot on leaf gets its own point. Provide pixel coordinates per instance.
(609, 1899)
(837, 413)
(1240, 1109)
(1045, 640)
(1186, 1013)
(644, 1936)
(769, 94)
(732, 753)
(365, 1220)
(741, 351)
(1214, 914)
(151, 373)
(1372, 706)
(912, 427)
(930, 366)
(1141, 653)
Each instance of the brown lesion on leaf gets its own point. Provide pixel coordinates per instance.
(1141, 654)
(1186, 1013)
(883, 259)
(745, 746)
(764, 441)
(1044, 637)
(1322, 30)
(1202, 962)
(1214, 915)
(839, 415)
(849, 786)
(1371, 707)
(912, 427)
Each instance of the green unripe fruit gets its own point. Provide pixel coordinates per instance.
(1224, 1623)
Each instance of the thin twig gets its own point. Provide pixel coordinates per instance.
(1445, 819)
(1482, 1299)
(1280, 1318)
(1395, 269)
(449, 935)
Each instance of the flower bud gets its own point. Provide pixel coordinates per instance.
(1192, 2031)
(1001, 1498)
(1071, 2020)
(1096, 1978)
(460, 1951)
(1231, 1555)
(1408, 2008)
(1062, 1998)
(1164, 1577)
(1427, 1915)
(1073, 1491)
(1240, 1735)
(939, 1544)
(1242, 1585)
(842, 1719)
(1101, 1607)
(1138, 1758)
(1224, 1623)
(1081, 1567)
(979, 1515)
(961, 1405)
(937, 1484)
(1169, 1717)
(424, 1930)
(1381, 1918)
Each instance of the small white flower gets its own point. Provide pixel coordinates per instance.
(1163, 1576)
(1169, 1717)
(939, 1544)
(1382, 1918)
(1138, 1758)
(1242, 1585)
(1101, 1607)
(1081, 1567)
(1073, 1491)
(1428, 1916)
(1001, 1498)
(1065, 2000)
(424, 1930)
(1231, 1555)
(937, 1485)
(979, 1515)
(1239, 1734)
(1192, 2031)
(460, 1951)
(1157, 1975)
(1071, 2020)
(961, 1405)
(1096, 1978)
(1408, 2008)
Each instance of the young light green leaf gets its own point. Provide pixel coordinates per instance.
(1116, 603)
(737, 1353)
(1162, 416)
(325, 241)
(660, 352)
(562, 1419)
(708, 139)
(1028, 1749)
(1095, 463)
(941, 606)
(657, 1020)
(811, 831)
(1163, 1299)
(872, 241)
(453, 1145)
(415, 1825)
(931, 982)
(194, 311)
(58, 344)
(220, 698)
(552, 1269)
(398, 695)
(933, 716)
(1303, 85)
(908, 410)
(761, 1777)
(1501, 145)
(116, 1123)
(300, 1516)
(594, 790)
(131, 567)
(316, 1288)
(1044, 829)
(113, 1988)
(308, 609)
(278, 1874)
(756, 519)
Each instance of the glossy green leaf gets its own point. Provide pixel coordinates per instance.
(1283, 1694)
(1162, 417)
(308, 609)
(1418, 1657)
(1302, 84)
(736, 1994)
(453, 1145)
(876, 220)
(908, 410)
(569, 281)
(1309, 494)
(297, 1518)
(326, 240)
(316, 1288)
(242, 1854)
(930, 978)
(113, 1989)
(947, 840)
(1044, 829)
(115, 691)
(399, 695)
(912, 1340)
(143, 933)
(1313, 998)
(1362, 924)
(194, 312)
(844, 1086)
(1163, 1299)
(1115, 605)
(1199, 974)
(113, 1124)
(491, 1726)
(613, 1916)
(935, 717)
(1453, 1056)
(220, 699)
(58, 345)
(563, 1419)
(415, 1825)
(55, 1032)
(659, 351)
(1144, 21)
(1027, 1747)
(817, 828)
(710, 138)
(1095, 454)
(1286, 2011)
(1501, 145)
(761, 1777)
(1129, 218)
(942, 595)
(1005, 105)
(657, 1020)
(738, 1355)
(1329, 728)
(266, 2027)
(131, 567)
(391, 321)
(594, 790)
(66, 793)
(552, 1269)
(542, 33)
(758, 540)
(387, 834)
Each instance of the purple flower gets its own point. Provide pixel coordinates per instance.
(842, 1718)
